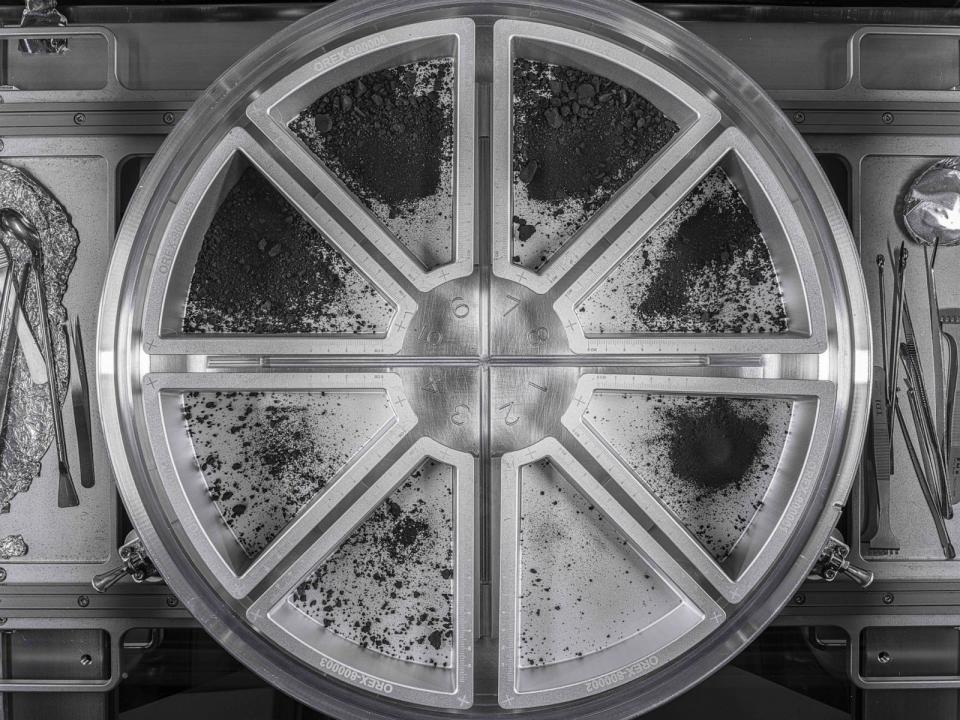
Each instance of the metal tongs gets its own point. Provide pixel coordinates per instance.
(24, 230)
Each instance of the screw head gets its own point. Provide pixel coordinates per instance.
(172, 601)
(79, 119)
(883, 657)
(3, 621)
(887, 118)
(83, 601)
(887, 598)
(168, 118)
(86, 660)
(799, 599)
(799, 116)
(3, 574)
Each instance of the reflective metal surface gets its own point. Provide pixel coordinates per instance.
(483, 368)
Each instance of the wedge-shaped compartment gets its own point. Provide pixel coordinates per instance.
(384, 598)
(250, 263)
(254, 462)
(385, 130)
(712, 265)
(582, 129)
(588, 600)
(723, 466)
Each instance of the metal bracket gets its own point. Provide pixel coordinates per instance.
(833, 561)
(136, 563)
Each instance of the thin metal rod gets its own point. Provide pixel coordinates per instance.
(924, 482)
(924, 424)
(936, 343)
(897, 316)
(883, 322)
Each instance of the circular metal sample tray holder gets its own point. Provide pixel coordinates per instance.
(485, 367)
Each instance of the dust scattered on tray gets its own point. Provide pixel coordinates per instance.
(389, 587)
(389, 137)
(263, 268)
(264, 455)
(704, 269)
(583, 588)
(710, 460)
(29, 424)
(577, 139)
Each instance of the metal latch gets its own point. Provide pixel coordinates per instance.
(135, 563)
(833, 561)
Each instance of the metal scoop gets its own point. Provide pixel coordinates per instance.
(931, 215)
(20, 227)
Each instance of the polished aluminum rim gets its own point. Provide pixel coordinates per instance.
(484, 364)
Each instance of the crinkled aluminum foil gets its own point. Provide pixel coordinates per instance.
(42, 13)
(29, 420)
(931, 207)
(12, 546)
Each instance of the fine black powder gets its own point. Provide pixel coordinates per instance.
(723, 228)
(382, 139)
(577, 137)
(388, 136)
(263, 268)
(711, 444)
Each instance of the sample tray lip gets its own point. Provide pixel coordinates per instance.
(266, 613)
(733, 589)
(271, 112)
(169, 288)
(807, 308)
(185, 511)
(703, 613)
(123, 360)
(700, 117)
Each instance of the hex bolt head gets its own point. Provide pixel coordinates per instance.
(168, 118)
(887, 598)
(172, 601)
(799, 599)
(83, 601)
(1, 145)
(887, 118)
(799, 116)
(3, 574)
(3, 621)
(79, 119)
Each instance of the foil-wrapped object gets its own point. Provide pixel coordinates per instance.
(12, 546)
(29, 418)
(42, 13)
(931, 207)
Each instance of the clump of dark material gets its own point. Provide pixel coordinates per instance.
(723, 228)
(578, 136)
(383, 140)
(711, 444)
(263, 268)
(705, 268)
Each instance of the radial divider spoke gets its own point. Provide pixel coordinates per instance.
(619, 419)
(786, 241)
(631, 606)
(273, 111)
(275, 613)
(693, 113)
(181, 245)
(202, 428)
